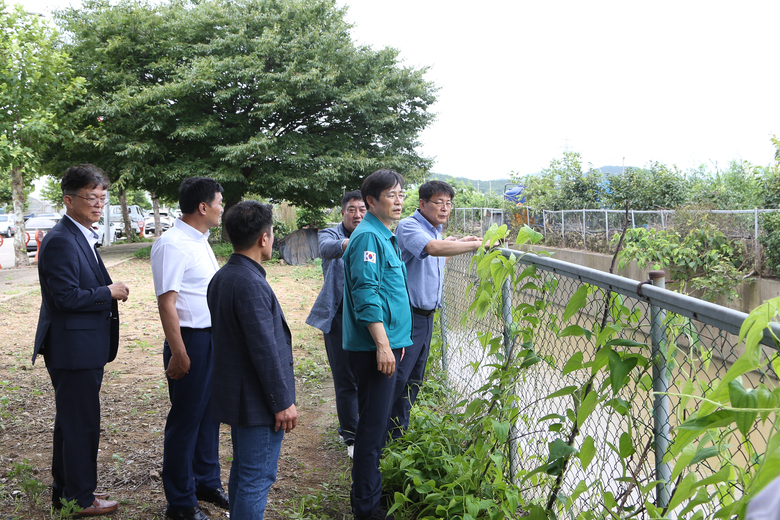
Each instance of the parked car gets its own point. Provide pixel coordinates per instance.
(166, 222)
(7, 225)
(136, 218)
(100, 228)
(32, 226)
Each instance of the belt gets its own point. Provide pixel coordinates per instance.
(423, 312)
(207, 329)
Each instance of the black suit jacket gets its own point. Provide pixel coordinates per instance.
(78, 327)
(253, 363)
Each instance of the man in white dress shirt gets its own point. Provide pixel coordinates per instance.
(183, 264)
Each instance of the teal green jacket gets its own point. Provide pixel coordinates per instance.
(374, 288)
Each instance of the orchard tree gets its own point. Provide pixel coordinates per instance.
(36, 83)
(564, 185)
(267, 96)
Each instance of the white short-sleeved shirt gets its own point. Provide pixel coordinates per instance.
(183, 261)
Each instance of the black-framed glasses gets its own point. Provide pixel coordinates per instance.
(92, 201)
(447, 204)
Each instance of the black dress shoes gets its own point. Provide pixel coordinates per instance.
(186, 514)
(218, 497)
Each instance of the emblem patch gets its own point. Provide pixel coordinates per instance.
(369, 256)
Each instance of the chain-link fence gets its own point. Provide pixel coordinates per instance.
(690, 339)
(474, 221)
(592, 229)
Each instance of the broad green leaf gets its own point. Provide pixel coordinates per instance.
(626, 445)
(574, 363)
(683, 491)
(574, 330)
(577, 302)
(568, 390)
(587, 451)
(588, 405)
(559, 450)
(619, 370)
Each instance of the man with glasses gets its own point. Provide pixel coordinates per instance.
(326, 313)
(377, 327)
(424, 254)
(183, 264)
(78, 333)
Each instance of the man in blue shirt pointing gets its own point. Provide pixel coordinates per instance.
(424, 253)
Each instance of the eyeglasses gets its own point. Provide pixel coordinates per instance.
(440, 203)
(395, 196)
(93, 201)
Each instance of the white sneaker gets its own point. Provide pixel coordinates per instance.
(351, 450)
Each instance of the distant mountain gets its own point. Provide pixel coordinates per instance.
(495, 186)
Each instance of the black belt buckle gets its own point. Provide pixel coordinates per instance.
(423, 312)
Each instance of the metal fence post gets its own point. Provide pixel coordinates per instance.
(506, 312)
(563, 229)
(661, 429)
(443, 322)
(606, 220)
(544, 223)
(584, 243)
(633, 222)
(755, 242)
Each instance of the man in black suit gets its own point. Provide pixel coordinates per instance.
(253, 386)
(78, 333)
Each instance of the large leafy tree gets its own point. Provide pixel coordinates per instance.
(565, 185)
(36, 83)
(268, 96)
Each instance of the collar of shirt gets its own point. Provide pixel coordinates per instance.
(373, 220)
(435, 231)
(344, 231)
(191, 231)
(89, 234)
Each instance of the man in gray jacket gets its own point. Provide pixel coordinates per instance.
(326, 312)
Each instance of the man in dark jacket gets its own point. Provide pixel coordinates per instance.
(326, 313)
(253, 386)
(78, 333)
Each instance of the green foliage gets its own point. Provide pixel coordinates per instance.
(143, 253)
(281, 230)
(453, 462)
(657, 186)
(222, 250)
(313, 217)
(296, 110)
(563, 185)
(21, 474)
(770, 239)
(703, 260)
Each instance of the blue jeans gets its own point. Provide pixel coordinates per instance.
(255, 458)
(343, 381)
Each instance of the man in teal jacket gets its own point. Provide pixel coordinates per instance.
(377, 327)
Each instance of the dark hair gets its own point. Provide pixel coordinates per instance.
(245, 222)
(431, 188)
(350, 195)
(195, 190)
(379, 181)
(83, 176)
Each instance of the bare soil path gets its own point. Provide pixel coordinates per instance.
(314, 469)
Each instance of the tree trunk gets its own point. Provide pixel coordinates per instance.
(20, 240)
(126, 216)
(156, 208)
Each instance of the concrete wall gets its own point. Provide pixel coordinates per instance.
(752, 292)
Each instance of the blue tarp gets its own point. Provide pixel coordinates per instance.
(515, 194)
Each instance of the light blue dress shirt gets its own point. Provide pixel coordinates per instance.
(425, 272)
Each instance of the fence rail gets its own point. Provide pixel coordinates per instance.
(689, 337)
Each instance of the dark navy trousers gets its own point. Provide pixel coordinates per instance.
(76, 434)
(410, 373)
(343, 381)
(191, 446)
(375, 397)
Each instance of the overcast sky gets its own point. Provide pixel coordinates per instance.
(680, 82)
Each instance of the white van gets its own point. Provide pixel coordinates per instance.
(135, 214)
(7, 224)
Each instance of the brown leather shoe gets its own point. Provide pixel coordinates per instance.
(102, 496)
(99, 507)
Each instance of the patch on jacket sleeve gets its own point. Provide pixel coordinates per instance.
(369, 256)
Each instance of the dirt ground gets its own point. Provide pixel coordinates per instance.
(313, 476)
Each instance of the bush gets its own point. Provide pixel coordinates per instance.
(144, 253)
(312, 217)
(222, 249)
(770, 239)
